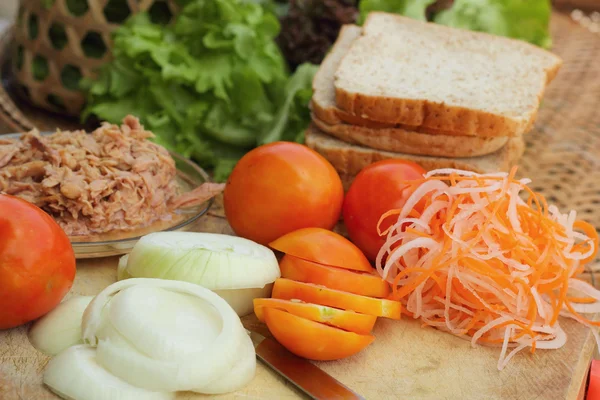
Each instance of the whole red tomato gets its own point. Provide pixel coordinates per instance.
(37, 263)
(279, 188)
(378, 188)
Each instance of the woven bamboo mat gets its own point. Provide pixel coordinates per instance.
(563, 150)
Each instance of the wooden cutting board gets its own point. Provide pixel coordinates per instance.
(405, 361)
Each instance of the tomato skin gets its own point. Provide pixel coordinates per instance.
(346, 320)
(378, 188)
(287, 289)
(279, 188)
(593, 391)
(313, 340)
(365, 284)
(37, 262)
(324, 247)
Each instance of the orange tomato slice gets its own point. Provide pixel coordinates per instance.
(288, 290)
(311, 339)
(366, 284)
(347, 320)
(323, 247)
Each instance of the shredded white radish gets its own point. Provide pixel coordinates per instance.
(492, 264)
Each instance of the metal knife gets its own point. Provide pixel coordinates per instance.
(307, 377)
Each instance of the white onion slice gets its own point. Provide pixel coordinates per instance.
(123, 360)
(242, 300)
(241, 373)
(216, 262)
(122, 268)
(61, 327)
(163, 324)
(142, 343)
(75, 374)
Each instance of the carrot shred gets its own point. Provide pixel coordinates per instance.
(581, 300)
(488, 260)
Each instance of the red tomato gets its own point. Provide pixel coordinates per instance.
(312, 340)
(324, 247)
(37, 263)
(366, 284)
(279, 188)
(593, 392)
(347, 320)
(287, 289)
(378, 188)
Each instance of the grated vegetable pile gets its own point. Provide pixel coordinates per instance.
(468, 255)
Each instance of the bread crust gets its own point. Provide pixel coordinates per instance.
(404, 141)
(334, 115)
(323, 104)
(368, 108)
(350, 159)
(429, 116)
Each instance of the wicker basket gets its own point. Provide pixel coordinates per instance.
(57, 42)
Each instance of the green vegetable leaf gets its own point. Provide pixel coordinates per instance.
(223, 169)
(213, 73)
(244, 40)
(211, 85)
(410, 8)
(298, 87)
(123, 79)
(115, 110)
(47, 3)
(220, 124)
(519, 19)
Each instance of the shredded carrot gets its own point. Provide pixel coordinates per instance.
(581, 300)
(384, 216)
(488, 260)
(417, 233)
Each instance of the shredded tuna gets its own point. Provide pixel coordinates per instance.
(112, 179)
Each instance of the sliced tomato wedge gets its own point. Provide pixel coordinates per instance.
(593, 391)
(289, 290)
(347, 320)
(323, 247)
(311, 339)
(364, 283)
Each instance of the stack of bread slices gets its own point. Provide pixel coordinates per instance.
(439, 96)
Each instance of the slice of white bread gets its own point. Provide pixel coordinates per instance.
(323, 100)
(330, 119)
(402, 141)
(349, 159)
(403, 71)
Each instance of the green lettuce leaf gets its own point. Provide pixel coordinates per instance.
(410, 8)
(520, 19)
(294, 109)
(211, 85)
(525, 20)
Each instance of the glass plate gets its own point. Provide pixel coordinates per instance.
(189, 176)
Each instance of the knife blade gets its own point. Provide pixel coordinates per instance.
(307, 377)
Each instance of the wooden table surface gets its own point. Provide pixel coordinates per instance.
(405, 361)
